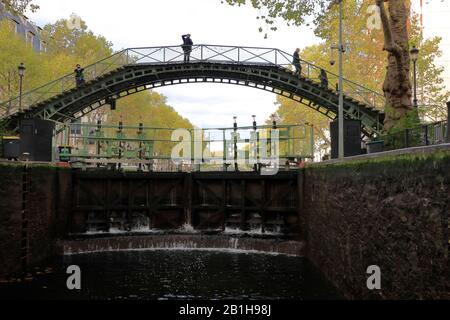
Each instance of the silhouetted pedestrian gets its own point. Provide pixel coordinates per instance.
(187, 46)
(296, 62)
(323, 79)
(79, 76)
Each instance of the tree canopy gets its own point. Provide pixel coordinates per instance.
(292, 11)
(82, 47)
(20, 6)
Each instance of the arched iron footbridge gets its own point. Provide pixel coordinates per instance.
(136, 69)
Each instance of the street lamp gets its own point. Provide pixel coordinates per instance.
(341, 84)
(21, 69)
(235, 144)
(414, 57)
(341, 50)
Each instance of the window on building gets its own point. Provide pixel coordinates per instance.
(13, 25)
(30, 37)
(43, 46)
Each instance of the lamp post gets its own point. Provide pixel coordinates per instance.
(341, 83)
(341, 49)
(235, 144)
(21, 69)
(447, 135)
(414, 57)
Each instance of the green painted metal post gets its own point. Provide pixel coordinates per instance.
(67, 142)
(224, 152)
(98, 133)
(447, 135)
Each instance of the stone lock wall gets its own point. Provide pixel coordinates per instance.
(392, 212)
(48, 206)
(10, 219)
(389, 212)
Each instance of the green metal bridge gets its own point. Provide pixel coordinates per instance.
(133, 70)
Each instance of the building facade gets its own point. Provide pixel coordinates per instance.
(25, 28)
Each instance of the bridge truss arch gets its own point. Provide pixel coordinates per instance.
(135, 70)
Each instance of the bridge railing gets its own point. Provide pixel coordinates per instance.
(62, 84)
(175, 54)
(250, 55)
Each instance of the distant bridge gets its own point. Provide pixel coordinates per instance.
(137, 69)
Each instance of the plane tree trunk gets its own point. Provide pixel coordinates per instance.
(397, 85)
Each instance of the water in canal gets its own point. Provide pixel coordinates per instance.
(175, 274)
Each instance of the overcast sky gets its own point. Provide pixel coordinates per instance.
(136, 23)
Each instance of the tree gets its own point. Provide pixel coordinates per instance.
(66, 49)
(432, 93)
(80, 42)
(292, 11)
(20, 6)
(365, 63)
(397, 84)
(13, 51)
(291, 112)
(150, 109)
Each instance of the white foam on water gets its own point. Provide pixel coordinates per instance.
(93, 233)
(116, 231)
(187, 228)
(119, 231)
(257, 231)
(182, 248)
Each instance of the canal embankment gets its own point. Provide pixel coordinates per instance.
(389, 210)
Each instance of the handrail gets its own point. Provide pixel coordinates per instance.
(174, 54)
(333, 74)
(63, 77)
(128, 127)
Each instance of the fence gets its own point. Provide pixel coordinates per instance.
(423, 135)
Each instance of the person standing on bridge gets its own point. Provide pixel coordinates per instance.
(323, 79)
(296, 62)
(79, 76)
(187, 46)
